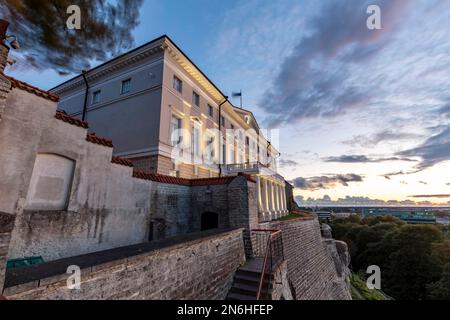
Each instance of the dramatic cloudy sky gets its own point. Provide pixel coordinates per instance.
(362, 113)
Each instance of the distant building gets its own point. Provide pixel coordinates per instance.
(410, 216)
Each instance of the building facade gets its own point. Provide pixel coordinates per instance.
(167, 117)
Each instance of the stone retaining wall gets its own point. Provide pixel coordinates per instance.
(311, 261)
(199, 266)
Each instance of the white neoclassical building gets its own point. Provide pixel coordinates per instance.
(142, 98)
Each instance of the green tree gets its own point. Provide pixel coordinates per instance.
(367, 241)
(412, 266)
(440, 290)
(373, 220)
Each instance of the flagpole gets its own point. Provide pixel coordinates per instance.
(241, 98)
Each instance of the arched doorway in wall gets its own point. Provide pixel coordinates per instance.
(210, 220)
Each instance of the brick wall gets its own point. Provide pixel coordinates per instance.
(148, 164)
(311, 264)
(243, 208)
(200, 268)
(210, 199)
(170, 210)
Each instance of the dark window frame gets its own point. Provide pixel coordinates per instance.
(210, 111)
(195, 99)
(126, 87)
(178, 88)
(96, 93)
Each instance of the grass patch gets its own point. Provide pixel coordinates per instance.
(291, 216)
(361, 292)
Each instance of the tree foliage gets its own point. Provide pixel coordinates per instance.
(46, 42)
(414, 259)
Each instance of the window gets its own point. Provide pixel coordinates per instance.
(195, 98)
(126, 86)
(196, 140)
(175, 134)
(177, 84)
(222, 120)
(211, 148)
(210, 111)
(96, 97)
(224, 153)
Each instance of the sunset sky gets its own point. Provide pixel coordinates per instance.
(361, 113)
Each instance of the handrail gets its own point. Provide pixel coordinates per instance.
(274, 234)
(261, 279)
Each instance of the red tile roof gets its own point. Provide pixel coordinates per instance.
(69, 119)
(211, 181)
(181, 181)
(32, 89)
(160, 178)
(122, 161)
(91, 137)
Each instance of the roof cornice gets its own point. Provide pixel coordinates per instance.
(118, 63)
(192, 70)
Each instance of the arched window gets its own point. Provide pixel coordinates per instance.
(50, 183)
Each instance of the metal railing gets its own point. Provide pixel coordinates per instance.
(269, 246)
(240, 167)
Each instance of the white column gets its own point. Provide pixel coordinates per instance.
(270, 195)
(277, 189)
(258, 194)
(285, 201)
(280, 201)
(275, 200)
(265, 205)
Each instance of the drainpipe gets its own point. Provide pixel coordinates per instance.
(83, 73)
(220, 131)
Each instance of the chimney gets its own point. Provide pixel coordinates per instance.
(4, 49)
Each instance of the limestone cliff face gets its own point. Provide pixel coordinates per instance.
(317, 265)
(338, 251)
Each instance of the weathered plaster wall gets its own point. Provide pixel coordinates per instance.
(314, 266)
(107, 207)
(194, 269)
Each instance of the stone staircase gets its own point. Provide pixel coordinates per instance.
(246, 282)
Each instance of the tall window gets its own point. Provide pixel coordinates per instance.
(224, 153)
(175, 133)
(195, 143)
(222, 120)
(210, 111)
(177, 84)
(211, 148)
(195, 98)
(126, 86)
(96, 97)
